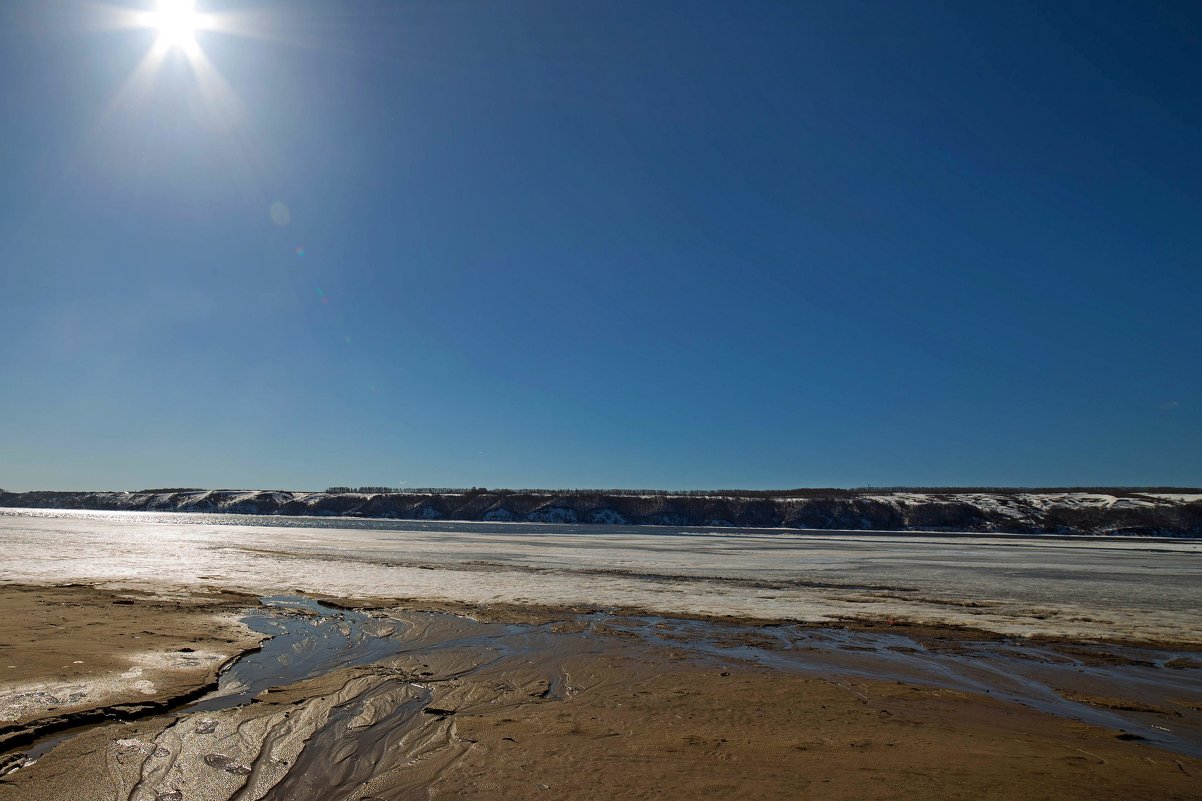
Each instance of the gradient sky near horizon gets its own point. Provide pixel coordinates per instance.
(611, 244)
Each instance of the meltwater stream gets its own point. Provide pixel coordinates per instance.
(358, 721)
(306, 639)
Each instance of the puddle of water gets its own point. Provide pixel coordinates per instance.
(306, 639)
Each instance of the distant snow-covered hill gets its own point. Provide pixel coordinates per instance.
(1130, 512)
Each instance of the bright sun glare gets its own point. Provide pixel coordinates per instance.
(176, 24)
(176, 21)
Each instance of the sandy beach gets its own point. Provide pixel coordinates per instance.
(174, 690)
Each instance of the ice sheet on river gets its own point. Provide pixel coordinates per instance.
(1144, 589)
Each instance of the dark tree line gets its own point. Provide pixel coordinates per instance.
(807, 492)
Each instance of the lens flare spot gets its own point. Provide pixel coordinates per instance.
(280, 214)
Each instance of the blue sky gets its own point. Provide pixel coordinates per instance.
(669, 244)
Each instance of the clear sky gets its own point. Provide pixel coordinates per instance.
(633, 244)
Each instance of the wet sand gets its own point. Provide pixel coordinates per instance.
(68, 652)
(393, 702)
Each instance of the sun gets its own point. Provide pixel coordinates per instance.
(176, 21)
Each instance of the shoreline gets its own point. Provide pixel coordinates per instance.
(598, 684)
(94, 607)
(1123, 591)
(534, 613)
(859, 664)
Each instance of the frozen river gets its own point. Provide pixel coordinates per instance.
(1082, 587)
